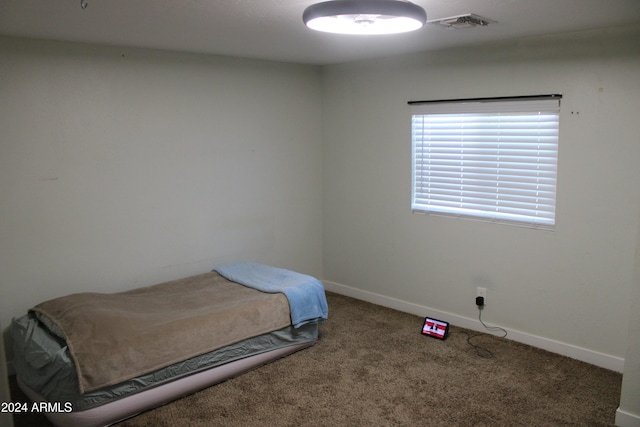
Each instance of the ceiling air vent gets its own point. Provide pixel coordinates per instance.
(469, 20)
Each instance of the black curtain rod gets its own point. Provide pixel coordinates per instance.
(501, 98)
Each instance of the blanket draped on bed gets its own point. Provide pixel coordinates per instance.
(115, 337)
(307, 300)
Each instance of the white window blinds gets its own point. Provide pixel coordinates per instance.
(495, 160)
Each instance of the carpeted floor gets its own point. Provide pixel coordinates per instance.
(372, 367)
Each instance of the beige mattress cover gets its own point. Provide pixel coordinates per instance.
(115, 337)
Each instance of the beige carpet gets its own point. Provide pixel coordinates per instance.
(372, 367)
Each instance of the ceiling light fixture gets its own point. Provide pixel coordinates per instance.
(365, 17)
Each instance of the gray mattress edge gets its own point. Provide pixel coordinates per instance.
(42, 363)
(134, 404)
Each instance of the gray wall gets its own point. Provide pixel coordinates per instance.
(571, 286)
(121, 168)
(628, 414)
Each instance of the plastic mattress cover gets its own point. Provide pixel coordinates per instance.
(43, 363)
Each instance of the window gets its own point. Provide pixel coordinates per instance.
(492, 159)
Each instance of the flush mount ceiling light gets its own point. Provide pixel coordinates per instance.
(364, 16)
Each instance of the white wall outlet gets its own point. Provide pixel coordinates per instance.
(481, 292)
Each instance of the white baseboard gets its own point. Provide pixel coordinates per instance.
(606, 361)
(626, 419)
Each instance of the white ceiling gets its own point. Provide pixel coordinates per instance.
(273, 29)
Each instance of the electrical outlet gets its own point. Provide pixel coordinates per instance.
(482, 292)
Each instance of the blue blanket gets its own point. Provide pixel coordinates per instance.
(307, 301)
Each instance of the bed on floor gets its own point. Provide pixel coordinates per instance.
(96, 359)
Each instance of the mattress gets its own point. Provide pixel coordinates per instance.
(48, 369)
(131, 405)
(226, 328)
(118, 336)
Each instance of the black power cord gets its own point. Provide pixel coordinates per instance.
(482, 351)
(491, 328)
